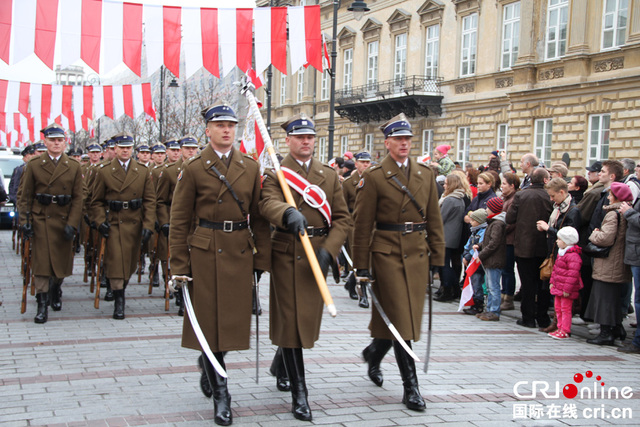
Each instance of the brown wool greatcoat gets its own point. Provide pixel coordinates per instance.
(295, 303)
(220, 263)
(52, 255)
(159, 174)
(398, 261)
(125, 235)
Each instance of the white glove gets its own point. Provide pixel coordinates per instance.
(176, 282)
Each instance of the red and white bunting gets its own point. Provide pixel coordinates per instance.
(105, 34)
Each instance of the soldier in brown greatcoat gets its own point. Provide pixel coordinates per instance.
(159, 163)
(50, 209)
(224, 250)
(397, 238)
(295, 301)
(123, 187)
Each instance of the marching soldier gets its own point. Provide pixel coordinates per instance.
(398, 236)
(158, 154)
(50, 210)
(349, 185)
(220, 188)
(295, 301)
(124, 205)
(144, 155)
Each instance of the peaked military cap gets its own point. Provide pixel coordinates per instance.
(219, 113)
(397, 126)
(299, 124)
(159, 148)
(75, 152)
(54, 130)
(124, 139)
(143, 147)
(189, 141)
(94, 147)
(173, 144)
(363, 156)
(39, 146)
(29, 149)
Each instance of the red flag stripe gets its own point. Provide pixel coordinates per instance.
(209, 25)
(313, 36)
(108, 101)
(259, 140)
(147, 100)
(31, 126)
(45, 106)
(244, 38)
(3, 94)
(132, 36)
(5, 30)
(91, 33)
(127, 97)
(87, 94)
(46, 24)
(172, 38)
(67, 95)
(279, 38)
(23, 102)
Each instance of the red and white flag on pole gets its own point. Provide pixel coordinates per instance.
(326, 60)
(466, 298)
(252, 142)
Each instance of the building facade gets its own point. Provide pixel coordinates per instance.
(542, 76)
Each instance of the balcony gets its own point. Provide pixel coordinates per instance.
(415, 96)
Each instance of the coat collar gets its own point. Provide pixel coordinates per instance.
(235, 170)
(414, 182)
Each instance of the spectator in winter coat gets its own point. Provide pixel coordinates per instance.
(442, 160)
(577, 186)
(565, 282)
(528, 163)
(492, 255)
(478, 219)
(564, 213)
(632, 258)
(485, 192)
(510, 185)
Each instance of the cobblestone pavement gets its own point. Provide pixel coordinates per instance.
(84, 368)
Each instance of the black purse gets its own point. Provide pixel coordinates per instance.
(595, 251)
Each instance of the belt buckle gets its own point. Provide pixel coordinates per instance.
(125, 205)
(310, 229)
(54, 199)
(227, 226)
(408, 227)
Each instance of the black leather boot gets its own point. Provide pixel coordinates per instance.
(118, 306)
(411, 398)
(364, 300)
(43, 301)
(373, 355)
(446, 296)
(294, 364)
(108, 296)
(55, 293)
(280, 372)
(156, 277)
(205, 386)
(179, 303)
(605, 337)
(221, 396)
(350, 286)
(619, 332)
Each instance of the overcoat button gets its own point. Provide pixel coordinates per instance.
(219, 251)
(405, 256)
(298, 257)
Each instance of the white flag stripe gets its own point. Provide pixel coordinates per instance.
(112, 21)
(56, 102)
(227, 39)
(138, 103)
(24, 129)
(13, 99)
(297, 43)
(191, 40)
(98, 102)
(78, 105)
(153, 36)
(36, 106)
(70, 18)
(24, 29)
(118, 102)
(262, 39)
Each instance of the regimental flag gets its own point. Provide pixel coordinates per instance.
(466, 298)
(252, 142)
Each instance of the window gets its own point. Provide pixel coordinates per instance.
(510, 35)
(544, 132)
(557, 17)
(344, 144)
(276, 144)
(598, 137)
(503, 137)
(400, 66)
(464, 144)
(283, 89)
(427, 141)
(322, 149)
(300, 90)
(372, 68)
(368, 142)
(614, 23)
(432, 51)
(326, 85)
(348, 69)
(468, 48)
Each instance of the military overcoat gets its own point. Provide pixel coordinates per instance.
(349, 186)
(221, 263)
(51, 254)
(295, 303)
(399, 261)
(112, 183)
(159, 174)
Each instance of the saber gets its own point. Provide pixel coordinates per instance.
(256, 291)
(346, 255)
(426, 360)
(246, 86)
(196, 326)
(392, 328)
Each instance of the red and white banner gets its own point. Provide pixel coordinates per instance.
(466, 298)
(312, 194)
(105, 34)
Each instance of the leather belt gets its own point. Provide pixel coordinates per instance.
(311, 231)
(47, 199)
(118, 205)
(407, 227)
(226, 226)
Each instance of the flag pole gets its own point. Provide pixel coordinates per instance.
(246, 86)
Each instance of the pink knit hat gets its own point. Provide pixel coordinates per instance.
(444, 149)
(621, 191)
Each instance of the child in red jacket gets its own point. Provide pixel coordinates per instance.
(565, 279)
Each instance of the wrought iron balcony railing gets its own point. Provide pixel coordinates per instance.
(405, 86)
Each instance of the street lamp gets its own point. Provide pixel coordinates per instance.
(173, 83)
(358, 8)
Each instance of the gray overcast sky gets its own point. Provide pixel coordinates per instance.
(33, 70)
